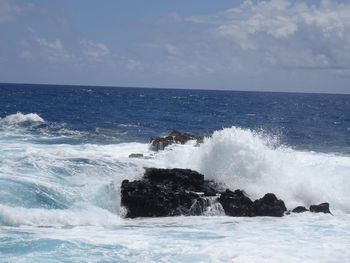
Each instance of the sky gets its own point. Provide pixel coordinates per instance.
(271, 45)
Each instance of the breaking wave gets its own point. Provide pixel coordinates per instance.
(65, 184)
(21, 120)
(255, 162)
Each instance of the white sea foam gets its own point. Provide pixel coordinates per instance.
(251, 161)
(38, 177)
(47, 177)
(81, 214)
(61, 201)
(20, 119)
(315, 238)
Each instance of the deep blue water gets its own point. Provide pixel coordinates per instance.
(319, 122)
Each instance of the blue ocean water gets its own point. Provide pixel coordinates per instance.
(306, 121)
(64, 153)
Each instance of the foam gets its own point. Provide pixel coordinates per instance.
(81, 214)
(38, 177)
(254, 161)
(20, 119)
(55, 178)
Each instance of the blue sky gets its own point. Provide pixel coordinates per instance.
(271, 45)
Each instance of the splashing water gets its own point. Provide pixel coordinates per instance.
(61, 170)
(241, 158)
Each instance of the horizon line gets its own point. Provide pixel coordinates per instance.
(144, 87)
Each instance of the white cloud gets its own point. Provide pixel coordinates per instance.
(56, 44)
(277, 34)
(52, 50)
(94, 50)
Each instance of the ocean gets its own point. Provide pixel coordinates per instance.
(65, 151)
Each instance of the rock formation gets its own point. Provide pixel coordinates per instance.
(175, 137)
(171, 192)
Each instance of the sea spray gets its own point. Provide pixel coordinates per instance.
(241, 158)
(60, 179)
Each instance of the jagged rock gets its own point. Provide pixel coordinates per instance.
(236, 203)
(159, 143)
(300, 209)
(269, 205)
(321, 208)
(165, 192)
(171, 192)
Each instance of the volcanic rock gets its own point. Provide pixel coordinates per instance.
(321, 208)
(175, 137)
(300, 209)
(165, 192)
(269, 205)
(172, 192)
(236, 203)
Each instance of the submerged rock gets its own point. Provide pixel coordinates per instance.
(175, 137)
(321, 208)
(136, 155)
(139, 156)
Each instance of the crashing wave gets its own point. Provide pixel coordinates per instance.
(22, 120)
(255, 162)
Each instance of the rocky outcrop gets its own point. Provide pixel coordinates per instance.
(321, 208)
(269, 205)
(175, 137)
(236, 203)
(166, 192)
(171, 192)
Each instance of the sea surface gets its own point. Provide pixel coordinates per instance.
(64, 153)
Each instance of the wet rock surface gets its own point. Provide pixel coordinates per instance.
(236, 203)
(172, 192)
(175, 137)
(321, 208)
(166, 192)
(269, 205)
(300, 209)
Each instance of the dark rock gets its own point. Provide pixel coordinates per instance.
(171, 192)
(300, 209)
(321, 208)
(166, 192)
(175, 137)
(136, 155)
(236, 203)
(269, 205)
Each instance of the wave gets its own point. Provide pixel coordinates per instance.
(36, 129)
(255, 162)
(80, 215)
(64, 184)
(22, 120)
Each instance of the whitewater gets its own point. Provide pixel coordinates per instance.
(60, 201)
(65, 151)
